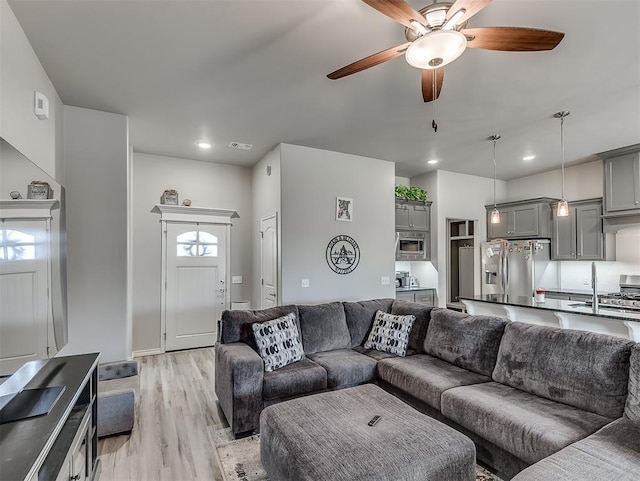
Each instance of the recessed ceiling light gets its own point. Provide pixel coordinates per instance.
(432, 161)
(203, 145)
(527, 158)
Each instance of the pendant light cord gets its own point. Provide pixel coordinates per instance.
(562, 147)
(494, 171)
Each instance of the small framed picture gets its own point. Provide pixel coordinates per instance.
(344, 209)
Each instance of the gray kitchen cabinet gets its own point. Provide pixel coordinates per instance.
(413, 215)
(527, 219)
(622, 183)
(580, 235)
(421, 296)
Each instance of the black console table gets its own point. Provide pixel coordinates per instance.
(58, 445)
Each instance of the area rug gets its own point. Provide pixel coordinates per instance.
(240, 459)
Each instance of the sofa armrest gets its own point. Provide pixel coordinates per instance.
(238, 384)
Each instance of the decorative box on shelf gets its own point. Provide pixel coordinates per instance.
(169, 197)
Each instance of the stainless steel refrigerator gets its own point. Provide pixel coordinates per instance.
(517, 267)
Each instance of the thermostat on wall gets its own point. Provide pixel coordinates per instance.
(41, 106)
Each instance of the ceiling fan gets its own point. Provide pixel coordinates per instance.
(437, 35)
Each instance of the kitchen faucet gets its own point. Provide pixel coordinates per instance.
(594, 286)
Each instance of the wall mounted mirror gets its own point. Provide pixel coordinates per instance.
(20, 246)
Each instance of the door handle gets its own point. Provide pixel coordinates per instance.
(272, 295)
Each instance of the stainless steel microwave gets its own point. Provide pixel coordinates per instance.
(411, 246)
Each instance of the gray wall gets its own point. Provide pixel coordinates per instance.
(21, 74)
(266, 200)
(207, 185)
(311, 181)
(96, 162)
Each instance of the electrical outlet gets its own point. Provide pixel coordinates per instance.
(236, 280)
(385, 281)
(586, 281)
(304, 282)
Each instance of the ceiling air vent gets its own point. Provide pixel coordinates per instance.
(240, 146)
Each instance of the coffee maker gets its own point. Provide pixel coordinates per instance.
(402, 278)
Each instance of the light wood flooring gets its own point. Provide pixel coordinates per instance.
(177, 414)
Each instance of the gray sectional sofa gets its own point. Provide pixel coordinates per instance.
(542, 402)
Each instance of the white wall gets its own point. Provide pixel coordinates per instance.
(266, 201)
(454, 196)
(21, 75)
(207, 185)
(311, 181)
(97, 163)
(584, 181)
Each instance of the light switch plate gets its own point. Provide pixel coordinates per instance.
(236, 280)
(304, 282)
(385, 281)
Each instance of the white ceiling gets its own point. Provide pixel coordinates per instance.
(254, 71)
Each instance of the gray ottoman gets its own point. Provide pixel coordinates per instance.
(326, 437)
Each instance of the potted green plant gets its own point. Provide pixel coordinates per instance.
(411, 193)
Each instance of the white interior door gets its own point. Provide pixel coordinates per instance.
(269, 264)
(195, 283)
(24, 299)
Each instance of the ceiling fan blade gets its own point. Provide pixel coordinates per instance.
(370, 61)
(512, 39)
(471, 7)
(428, 77)
(398, 10)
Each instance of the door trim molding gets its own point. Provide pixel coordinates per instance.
(176, 214)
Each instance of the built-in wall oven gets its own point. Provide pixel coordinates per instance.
(412, 246)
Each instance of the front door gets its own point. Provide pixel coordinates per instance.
(195, 283)
(269, 264)
(24, 302)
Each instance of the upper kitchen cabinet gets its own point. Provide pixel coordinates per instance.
(527, 219)
(579, 236)
(622, 181)
(412, 215)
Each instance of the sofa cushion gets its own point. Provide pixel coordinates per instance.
(420, 325)
(583, 369)
(345, 367)
(379, 355)
(632, 406)
(611, 453)
(425, 377)
(360, 317)
(469, 342)
(278, 342)
(528, 426)
(390, 333)
(302, 377)
(236, 325)
(324, 327)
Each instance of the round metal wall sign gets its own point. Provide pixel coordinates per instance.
(343, 254)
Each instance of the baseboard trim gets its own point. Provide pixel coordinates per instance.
(147, 352)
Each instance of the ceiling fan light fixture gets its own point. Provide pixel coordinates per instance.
(418, 27)
(453, 21)
(436, 17)
(436, 49)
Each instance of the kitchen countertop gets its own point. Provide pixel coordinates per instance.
(571, 307)
(411, 289)
(579, 292)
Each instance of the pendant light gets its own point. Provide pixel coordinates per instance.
(495, 213)
(563, 206)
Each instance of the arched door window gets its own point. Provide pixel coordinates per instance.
(197, 243)
(16, 245)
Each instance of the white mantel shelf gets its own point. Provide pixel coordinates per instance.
(27, 208)
(181, 213)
